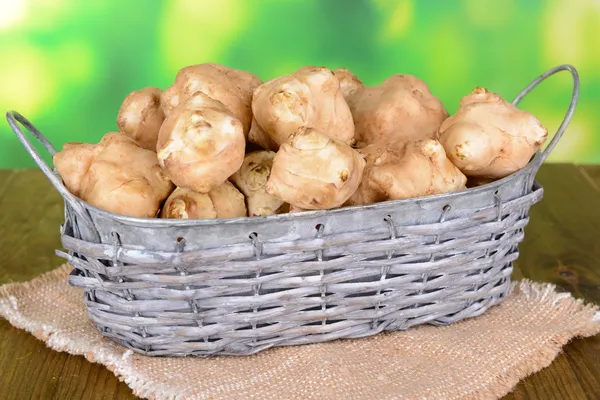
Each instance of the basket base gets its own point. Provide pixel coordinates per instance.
(461, 305)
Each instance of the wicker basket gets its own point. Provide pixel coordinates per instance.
(239, 286)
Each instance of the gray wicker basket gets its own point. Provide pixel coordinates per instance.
(239, 286)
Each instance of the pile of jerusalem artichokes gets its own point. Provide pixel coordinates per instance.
(220, 143)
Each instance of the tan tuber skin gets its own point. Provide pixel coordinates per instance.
(294, 209)
(115, 175)
(252, 178)
(252, 147)
(405, 170)
(141, 116)
(224, 201)
(232, 87)
(314, 171)
(474, 181)
(489, 137)
(201, 144)
(311, 97)
(259, 137)
(349, 83)
(400, 109)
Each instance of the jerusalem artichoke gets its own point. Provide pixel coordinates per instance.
(489, 137)
(311, 96)
(115, 175)
(224, 201)
(400, 109)
(141, 116)
(474, 181)
(314, 171)
(252, 178)
(294, 209)
(404, 170)
(349, 83)
(232, 87)
(201, 144)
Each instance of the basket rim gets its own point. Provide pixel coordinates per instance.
(530, 168)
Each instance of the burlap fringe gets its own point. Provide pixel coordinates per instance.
(119, 361)
(562, 303)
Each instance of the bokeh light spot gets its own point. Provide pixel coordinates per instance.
(397, 18)
(195, 32)
(489, 14)
(572, 34)
(574, 142)
(12, 13)
(76, 61)
(455, 53)
(27, 83)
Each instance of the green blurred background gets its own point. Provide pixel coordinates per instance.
(67, 64)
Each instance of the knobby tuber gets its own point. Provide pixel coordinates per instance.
(259, 137)
(314, 171)
(205, 146)
(141, 116)
(230, 86)
(474, 181)
(252, 178)
(224, 201)
(311, 96)
(115, 175)
(201, 144)
(294, 209)
(400, 109)
(349, 83)
(489, 137)
(403, 170)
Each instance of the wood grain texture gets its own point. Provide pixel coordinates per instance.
(32, 212)
(561, 246)
(592, 174)
(30, 218)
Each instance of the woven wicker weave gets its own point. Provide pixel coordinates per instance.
(238, 286)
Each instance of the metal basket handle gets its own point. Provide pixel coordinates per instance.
(541, 155)
(14, 119)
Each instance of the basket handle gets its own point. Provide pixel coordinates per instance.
(14, 119)
(541, 155)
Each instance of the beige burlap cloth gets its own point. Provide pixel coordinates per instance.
(480, 358)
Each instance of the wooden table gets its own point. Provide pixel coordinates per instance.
(562, 245)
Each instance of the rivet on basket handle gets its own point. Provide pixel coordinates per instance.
(541, 155)
(14, 119)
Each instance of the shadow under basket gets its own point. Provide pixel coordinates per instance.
(239, 286)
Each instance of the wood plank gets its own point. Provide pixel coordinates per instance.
(561, 243)
(29, 233)
(592, 174)
(29, 225)
(557, 382)
(31, 370)
(561, 246)
(585, 363)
